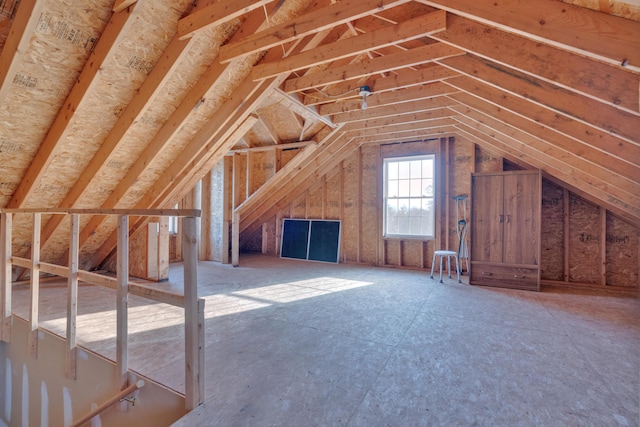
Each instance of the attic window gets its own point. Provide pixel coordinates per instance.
(409, 197)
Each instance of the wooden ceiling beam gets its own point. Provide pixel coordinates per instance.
(421, 55)
(577, 29)
(301, 26)
(215, 14)
(149, 89)
(423, 116)
(612, 120)
(400, 79)
(520, 148)
(289, 183)
(406, 135)
(377, 100)
(105, 48)
(387, 36)
(309, 112)
(108, 247)
(616, 167)
(395, 109)
(398, 128)
(121, 5)
(606, 83)
(588, 134)
(581, 163)
(17, 42)
(268, 126)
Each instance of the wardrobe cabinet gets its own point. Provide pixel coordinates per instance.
(505, 229)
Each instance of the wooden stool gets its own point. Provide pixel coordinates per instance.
(447, 254)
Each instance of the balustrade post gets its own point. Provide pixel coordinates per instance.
(6, 224)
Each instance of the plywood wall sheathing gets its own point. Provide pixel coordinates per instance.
(552, 229)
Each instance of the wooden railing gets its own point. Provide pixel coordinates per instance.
(193, 306)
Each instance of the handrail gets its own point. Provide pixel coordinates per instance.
(193, 305)
(130, 212)
(115, 399)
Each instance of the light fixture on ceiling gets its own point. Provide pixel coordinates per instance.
(364, 91)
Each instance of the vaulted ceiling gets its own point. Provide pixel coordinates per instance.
(127, 104)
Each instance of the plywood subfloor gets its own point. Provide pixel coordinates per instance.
(299, 343)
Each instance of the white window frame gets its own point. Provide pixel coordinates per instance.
(406, 193)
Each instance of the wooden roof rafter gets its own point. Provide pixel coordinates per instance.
(15, 46)
(301, 26)
(412, 28)
(104, 49)
(573, 28)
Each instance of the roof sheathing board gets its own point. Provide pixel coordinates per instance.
(59, 47)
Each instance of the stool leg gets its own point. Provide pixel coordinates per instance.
(449, 266)
(458, 270)
(433, 265)
(441, 268)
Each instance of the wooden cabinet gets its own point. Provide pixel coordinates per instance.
(505, 229)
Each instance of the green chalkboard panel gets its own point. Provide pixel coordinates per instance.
(295, 238)
(324, 241)
(316, 240)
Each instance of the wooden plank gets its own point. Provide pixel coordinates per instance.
(574, 153)
(150, 88)
(276, 148)
(589, 135)
(519, 148)
(354, 117)
(215, 14)
(104, 50)
(34, 289)
(292, 102)
(122, 305)
(193, 347)
(381, 64)
(607, 83)
(577, 29)
(133, 212)
(376, 100)
(17, 42)
(603, 246)
(121, 5)
(235, 240)
(226, 209)
(410, 29)
(309, 23)
(163, 248)
(333, 150)
(399, 79)
(609, 119)
(72, 298)
(6, 231)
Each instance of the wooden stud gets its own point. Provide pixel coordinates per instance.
(235, 240)
(603, 246)
(227, 207)
(122, 305)
(35, 286)
(193, 349)
(163, 248)
(72, 297)
(6, 231)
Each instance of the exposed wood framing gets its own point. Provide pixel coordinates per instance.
(16, 44)
(105, 48)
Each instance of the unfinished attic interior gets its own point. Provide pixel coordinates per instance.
(159, 156)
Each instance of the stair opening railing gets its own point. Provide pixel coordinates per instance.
(193, 306)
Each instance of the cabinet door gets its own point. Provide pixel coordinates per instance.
(486, 220)
(521, 217)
